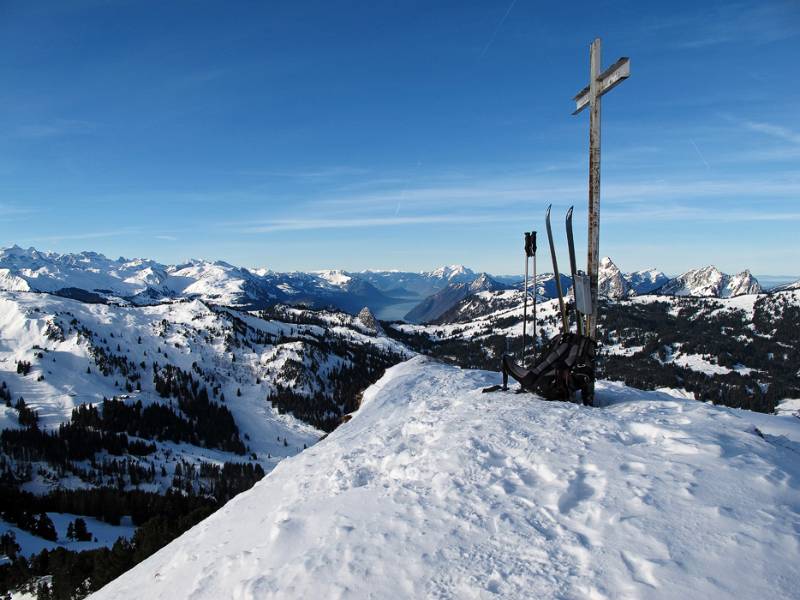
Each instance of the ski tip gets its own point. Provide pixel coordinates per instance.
(549, 206)
(569, 212)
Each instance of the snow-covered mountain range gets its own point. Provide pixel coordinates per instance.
(93, 277)
(613, 284)
(90, 276)
(711, 282)
(434, 490)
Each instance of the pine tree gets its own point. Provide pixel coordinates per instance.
(44, 528)
(80, 530)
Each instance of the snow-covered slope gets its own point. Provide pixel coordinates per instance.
(434, 490)
(82, 353)
(795, 285)
(711, 282)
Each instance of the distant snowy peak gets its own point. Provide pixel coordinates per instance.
(453, 273)
(741, 284)
(645, 281)
(615, 284)
(485, 282)
(335, 277)
(612, 283)
(711, 282)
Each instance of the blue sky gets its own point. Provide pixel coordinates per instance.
(303, 135)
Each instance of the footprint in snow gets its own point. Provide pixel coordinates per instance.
(577, 491)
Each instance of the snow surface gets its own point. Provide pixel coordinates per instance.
(790, 406)
(434, 490)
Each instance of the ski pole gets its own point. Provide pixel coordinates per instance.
(534, 297)
(525, 299)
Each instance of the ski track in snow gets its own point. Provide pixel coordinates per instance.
(434, 490)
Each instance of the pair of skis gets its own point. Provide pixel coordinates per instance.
(577, 279)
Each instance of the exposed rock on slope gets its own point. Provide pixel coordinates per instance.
(368, 320)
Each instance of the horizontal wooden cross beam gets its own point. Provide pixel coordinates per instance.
(608, 79)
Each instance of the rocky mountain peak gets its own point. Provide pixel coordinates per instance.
(368, 320)
(612, 283)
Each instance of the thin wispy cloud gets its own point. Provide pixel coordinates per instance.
(354, 223)
(311, 173)
(496, 193)
(726, 23)
(56, 128)
(681, 212)
(8, 210)
(776, 131)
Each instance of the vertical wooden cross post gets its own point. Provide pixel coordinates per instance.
(599, 84)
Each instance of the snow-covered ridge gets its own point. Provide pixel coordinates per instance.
(705, 282)
(436, 490)
(711, 282)
(795, 285)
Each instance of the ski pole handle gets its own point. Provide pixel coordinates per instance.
(530, 243)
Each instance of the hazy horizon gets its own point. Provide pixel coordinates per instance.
(543, 261)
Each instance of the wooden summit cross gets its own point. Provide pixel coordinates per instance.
(599, 84)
